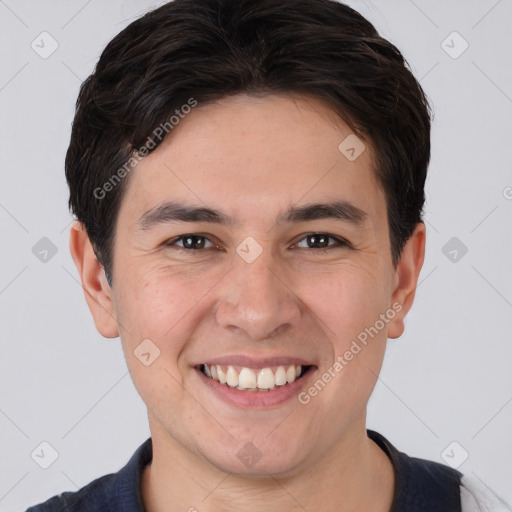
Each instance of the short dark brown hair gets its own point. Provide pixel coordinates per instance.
(209, 49)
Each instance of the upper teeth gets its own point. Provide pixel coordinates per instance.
(248, 378)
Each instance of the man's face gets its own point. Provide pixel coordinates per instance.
(256, 293)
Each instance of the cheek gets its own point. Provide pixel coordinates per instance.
(348, 302)
(156, 301)
(350, 305)
(158, 312)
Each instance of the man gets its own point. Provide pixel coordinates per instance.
(248, 181)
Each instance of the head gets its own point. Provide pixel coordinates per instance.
(249, 113)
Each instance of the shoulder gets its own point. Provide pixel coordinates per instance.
(94, 496)
(424, 485)
(420, 485)
(108, 493)
(475, 496)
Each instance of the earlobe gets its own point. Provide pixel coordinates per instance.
(97, 291)
(406, 278)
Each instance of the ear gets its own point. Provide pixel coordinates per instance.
(406, 278)
(98, 293)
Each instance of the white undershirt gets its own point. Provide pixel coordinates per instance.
(476, 497)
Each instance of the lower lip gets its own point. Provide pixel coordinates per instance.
(251, 399)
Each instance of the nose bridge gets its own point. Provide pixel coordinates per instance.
(257, 298)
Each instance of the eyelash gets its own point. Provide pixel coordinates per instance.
(340, 242)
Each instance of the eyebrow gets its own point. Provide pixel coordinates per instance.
(173, 211)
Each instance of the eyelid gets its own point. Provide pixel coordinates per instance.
(173, 241)
(340, 241)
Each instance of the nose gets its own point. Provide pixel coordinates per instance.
(256, 301)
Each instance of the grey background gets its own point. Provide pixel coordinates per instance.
(446, 379)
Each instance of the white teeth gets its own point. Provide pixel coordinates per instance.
(291, 374)
(220, 374)
(280, 376)
(253, 380)
(266, 379)
(232, 377)
(246, 379)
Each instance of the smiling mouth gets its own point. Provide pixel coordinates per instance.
(252, 379)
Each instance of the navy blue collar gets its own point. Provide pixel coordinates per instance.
(420, 485)
(127, 486)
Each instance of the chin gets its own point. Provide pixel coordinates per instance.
(258, 459)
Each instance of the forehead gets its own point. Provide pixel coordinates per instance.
(245, 155)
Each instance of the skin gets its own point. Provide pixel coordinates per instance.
(253, 157)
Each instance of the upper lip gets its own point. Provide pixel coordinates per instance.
(254, 362)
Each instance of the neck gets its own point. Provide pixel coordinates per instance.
(355, 475)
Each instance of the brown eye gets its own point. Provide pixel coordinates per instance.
(319, 242)
(191, 242)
